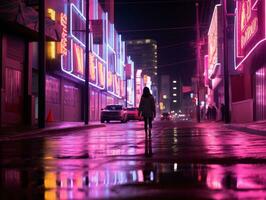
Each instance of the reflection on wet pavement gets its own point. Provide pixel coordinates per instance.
(117, 164)
(82, 183)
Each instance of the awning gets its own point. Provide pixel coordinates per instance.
(16, 16)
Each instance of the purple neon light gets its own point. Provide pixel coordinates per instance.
(250, 52)
(106, 44)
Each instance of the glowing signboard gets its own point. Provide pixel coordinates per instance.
(250, 29)
(247, 24)
(92, 74)
(101, 74)
(110, 81)
(213, 40)
(78, 59)
(138, 86)
(62, 47)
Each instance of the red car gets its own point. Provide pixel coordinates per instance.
(132, 114)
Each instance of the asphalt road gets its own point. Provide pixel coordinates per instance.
(182, 160)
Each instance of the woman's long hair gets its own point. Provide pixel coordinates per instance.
(146, 92)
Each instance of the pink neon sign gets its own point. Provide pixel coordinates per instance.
(247, 24)
(250, 29)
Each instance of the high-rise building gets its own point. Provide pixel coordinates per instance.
(144, 54)
(165, 96)
(175, 94)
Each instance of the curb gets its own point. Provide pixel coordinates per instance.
(247, 130)
(44, 132)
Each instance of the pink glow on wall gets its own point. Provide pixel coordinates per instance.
(206, 65)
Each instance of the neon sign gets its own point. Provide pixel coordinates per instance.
(250, 31)
(63, 44)
(247, 25)
(78, 59)
(213, 41)
(92, 61)
(110, 81)
(100, 73)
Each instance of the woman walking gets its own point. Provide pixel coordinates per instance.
(147, 109)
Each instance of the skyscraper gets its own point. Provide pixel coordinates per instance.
(144, 54)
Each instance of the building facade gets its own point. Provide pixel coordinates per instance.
(250, 62)
(214, 61)
(176, 95)
(165, 94)
(65, 69)
(144, 54)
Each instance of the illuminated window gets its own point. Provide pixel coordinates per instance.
(155, 73)
(164, 96)
(174, 94)
(174, 88)
(174, 81)
(174, 101)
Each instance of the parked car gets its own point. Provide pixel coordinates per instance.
(165, 116)
(114, 112)
(132, 114)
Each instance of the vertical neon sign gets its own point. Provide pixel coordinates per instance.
(62, 45)
(247, 24)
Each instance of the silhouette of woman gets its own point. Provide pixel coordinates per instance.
(147, 109)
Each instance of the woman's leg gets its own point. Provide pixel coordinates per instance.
(150, 125)
(146, 124)
(150, 122)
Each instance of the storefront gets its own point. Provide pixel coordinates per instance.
(18, 75)
(250, 40)
(106, 61)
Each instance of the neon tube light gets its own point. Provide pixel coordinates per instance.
(74, 8)
(250, 52)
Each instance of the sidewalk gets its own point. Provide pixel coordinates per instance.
(258, 127)
(53, 128)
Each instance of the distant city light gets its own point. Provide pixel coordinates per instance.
(174, 94)
(174, 101)
(174, 88)
(174, 81)
(164, 96)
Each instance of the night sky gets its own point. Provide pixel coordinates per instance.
(172, 24)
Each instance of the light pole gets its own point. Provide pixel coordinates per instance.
(42, 66)
(198, 61)
(226, 73)
(87, 66)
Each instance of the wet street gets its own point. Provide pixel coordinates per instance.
(181, 160)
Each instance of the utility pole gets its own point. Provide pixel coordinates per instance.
(226, 73)
(87, 66)
(42, 66)
(198, 61)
